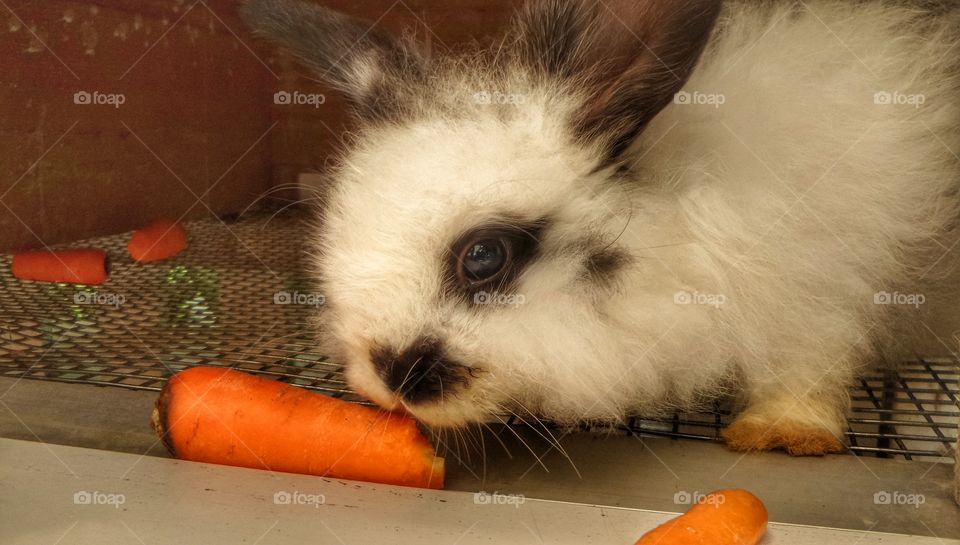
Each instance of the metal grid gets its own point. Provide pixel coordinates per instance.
(239, 296)
(909, 412)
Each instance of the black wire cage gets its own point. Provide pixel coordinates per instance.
(239, 297)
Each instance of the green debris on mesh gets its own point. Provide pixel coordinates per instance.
(193, 294)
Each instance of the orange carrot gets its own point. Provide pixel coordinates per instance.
(160, 239)
(221, 416)
(80, 266)
(726, 517)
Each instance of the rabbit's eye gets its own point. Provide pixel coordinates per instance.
(492, 255)
(484, 259)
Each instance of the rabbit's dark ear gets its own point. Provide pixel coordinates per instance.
(633, 56)
(350, 54)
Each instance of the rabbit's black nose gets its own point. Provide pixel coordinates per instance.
(420, 373)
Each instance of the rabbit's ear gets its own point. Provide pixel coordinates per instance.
(350, 54)
(633, 56)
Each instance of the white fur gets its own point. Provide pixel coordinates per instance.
(792, 203)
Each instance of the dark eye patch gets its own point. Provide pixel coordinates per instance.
(491, 256)
(602, 265)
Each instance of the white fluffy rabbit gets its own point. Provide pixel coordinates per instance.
(631, 206)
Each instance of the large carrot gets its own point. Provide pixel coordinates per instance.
(216, 415)
(160, 239)
(726, 517)
(78, 266)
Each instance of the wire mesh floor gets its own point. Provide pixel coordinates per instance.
(239, 296)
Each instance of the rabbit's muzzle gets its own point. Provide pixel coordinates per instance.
(422, 372)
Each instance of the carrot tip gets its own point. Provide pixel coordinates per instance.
(159, 420)
(160, 239)
(438, 469)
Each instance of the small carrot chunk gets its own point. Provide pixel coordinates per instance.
(726, 517)
(78, 266)
(160, 239)
(221, 416)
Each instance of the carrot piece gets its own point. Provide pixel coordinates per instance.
(221, 416)
(160, 239)
(726, 517)
(78, 266)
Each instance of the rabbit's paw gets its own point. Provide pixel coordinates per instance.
(798, 439)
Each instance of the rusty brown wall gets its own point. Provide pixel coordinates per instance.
(182, 141)
(198, 132)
